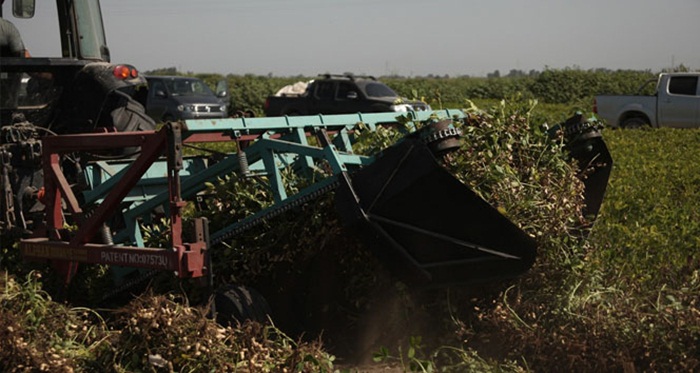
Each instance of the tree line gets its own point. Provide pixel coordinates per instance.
(571, 86)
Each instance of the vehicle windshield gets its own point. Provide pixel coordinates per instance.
(379, 90)
(188, 87)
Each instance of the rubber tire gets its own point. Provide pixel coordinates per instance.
(635, 123)
(129, 116)
(237, 304)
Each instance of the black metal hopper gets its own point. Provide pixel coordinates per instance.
(428, 227)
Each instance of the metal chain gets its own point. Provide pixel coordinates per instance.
(273, 212)
(129, 284)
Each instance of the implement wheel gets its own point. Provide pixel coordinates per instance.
(237, 303)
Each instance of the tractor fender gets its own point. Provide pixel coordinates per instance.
(98, 97)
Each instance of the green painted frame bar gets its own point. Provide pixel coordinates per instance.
(336, 121)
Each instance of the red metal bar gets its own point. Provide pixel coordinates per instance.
(96, 141)
(151, 148)
(188, 263)
(43, 248)
(54, 212)
(226, 137)
(64, 188)
(185, 258)
(212, 137)
(57, 187)
(52, 199)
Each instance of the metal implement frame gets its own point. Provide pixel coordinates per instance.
(269, 144)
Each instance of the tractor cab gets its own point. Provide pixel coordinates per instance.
(64, 80)
(56, 80)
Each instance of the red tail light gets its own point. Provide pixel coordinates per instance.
(595, 106)
(125, 72)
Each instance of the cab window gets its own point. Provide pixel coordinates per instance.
(325, 90)
(683, 85)
(344, 89)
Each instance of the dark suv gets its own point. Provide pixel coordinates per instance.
(178, 97)
(340, 94)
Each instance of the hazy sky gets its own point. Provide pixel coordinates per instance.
(407, 37)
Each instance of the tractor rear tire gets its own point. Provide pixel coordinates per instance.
(237, 304)
(130, 116)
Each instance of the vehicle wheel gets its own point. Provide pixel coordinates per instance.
(237, 303)
(635, 123)
(129, 115)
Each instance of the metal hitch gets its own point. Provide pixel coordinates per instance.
(428, 227)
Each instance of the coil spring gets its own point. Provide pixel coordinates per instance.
(243, 163)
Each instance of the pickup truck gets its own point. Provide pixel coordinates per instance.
(676, 103)
(339, 94)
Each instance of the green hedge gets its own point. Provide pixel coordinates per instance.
(567, 86)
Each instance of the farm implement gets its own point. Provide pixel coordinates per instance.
(83, 170)
(421, 222)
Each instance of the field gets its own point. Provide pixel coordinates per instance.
(626, 299)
